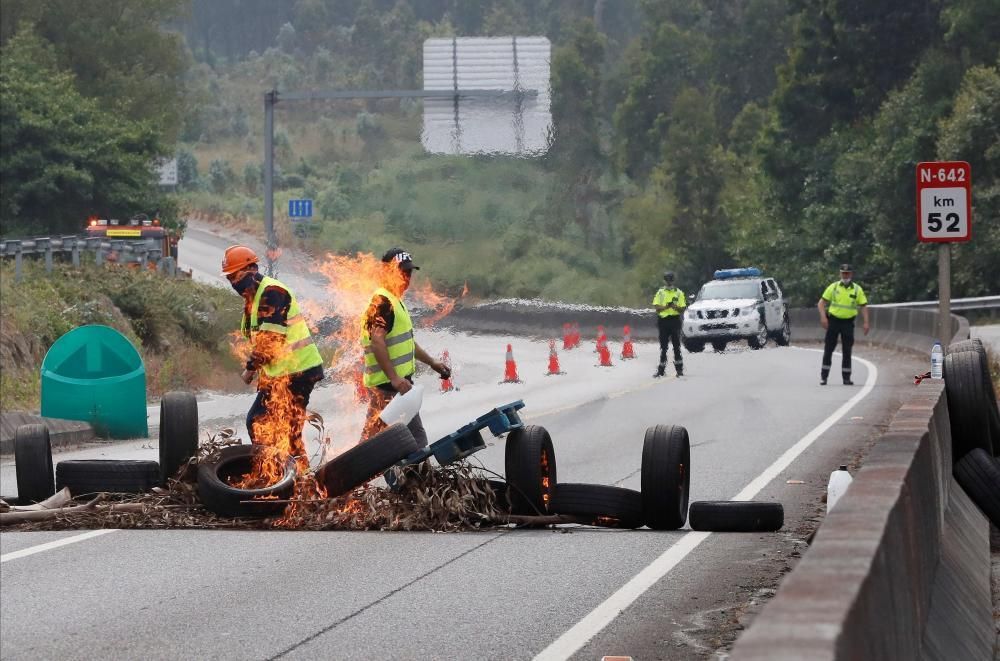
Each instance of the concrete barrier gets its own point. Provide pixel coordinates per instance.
(900, 569)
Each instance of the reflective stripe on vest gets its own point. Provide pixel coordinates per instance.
(844, 301)
(664, 297)
(398, 341)
(299, 352)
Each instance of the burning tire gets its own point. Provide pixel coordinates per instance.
(366, 460)
(33, 463)
(87, 476)
(979, 475)
(599, 505)
(178, 432)
(530, 464)
(968, 407)
(736, 516)
(666, 476)
(219, 496)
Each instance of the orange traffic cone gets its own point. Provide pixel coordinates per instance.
(602, 339)
(628, 351)
(446, 384)
(605, 355)
(575, 336)
(553, 360)
(510, 368)
(567, 337)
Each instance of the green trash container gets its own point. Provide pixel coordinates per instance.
(94, 374)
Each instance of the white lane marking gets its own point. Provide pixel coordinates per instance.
(48, 546)
(580, 633)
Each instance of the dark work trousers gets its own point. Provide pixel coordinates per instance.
(300, 386)
(378, 399)
(670, 331)
(844, 329)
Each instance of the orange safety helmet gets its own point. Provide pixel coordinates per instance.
(237, 258)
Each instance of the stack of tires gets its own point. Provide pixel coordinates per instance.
(36, 479)
(975, 424)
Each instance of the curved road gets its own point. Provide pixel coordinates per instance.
(757, 419)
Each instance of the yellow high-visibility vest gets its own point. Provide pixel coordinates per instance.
(398, 340)
(844, 301)
(666, 296)
(300, 352)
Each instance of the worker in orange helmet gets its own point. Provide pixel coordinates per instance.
(283, 354)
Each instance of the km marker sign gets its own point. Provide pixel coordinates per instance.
(944, 202)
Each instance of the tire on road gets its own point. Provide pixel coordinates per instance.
(224, 499)
(693, 346)
(91, 476)
(783, 336)
(736, 516)
(530, 466)
(968, 408)
(758, 341)
(178, 432)
(33, 463)
(366, 460)
(975, 344)
(599, 505)
(719, 345)
(979, 475)
(666, 476)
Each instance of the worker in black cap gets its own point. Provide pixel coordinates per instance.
(391, 351)
(845, 298)
(669, 304)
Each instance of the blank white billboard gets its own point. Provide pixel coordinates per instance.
(517, 123)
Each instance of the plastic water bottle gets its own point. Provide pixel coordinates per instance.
(403, 408)
(937, 361)
(840, 479)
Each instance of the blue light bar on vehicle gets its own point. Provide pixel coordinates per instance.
(748, 272)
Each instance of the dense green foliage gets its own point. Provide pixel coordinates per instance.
(92, 95)
(687, 134)
(180, 327)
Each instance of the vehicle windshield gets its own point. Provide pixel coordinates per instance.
(732, 289)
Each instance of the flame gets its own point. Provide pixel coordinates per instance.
(546, 478)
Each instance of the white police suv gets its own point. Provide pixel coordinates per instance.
(739, 304)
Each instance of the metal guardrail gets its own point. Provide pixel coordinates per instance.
(973, 303)
(141, 252)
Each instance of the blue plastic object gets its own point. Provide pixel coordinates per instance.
(747, 272)
(94, 374)
(466, 440)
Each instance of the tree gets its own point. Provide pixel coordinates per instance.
(62, 156)
(118, 51)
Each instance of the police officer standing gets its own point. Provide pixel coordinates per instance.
(669, 304)
(845, 297)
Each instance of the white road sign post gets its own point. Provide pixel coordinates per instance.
(944, 215)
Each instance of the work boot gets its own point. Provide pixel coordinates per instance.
(661, 370)
(848, 382)
(822, 381)
(680, 368)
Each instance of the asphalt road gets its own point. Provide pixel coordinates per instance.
(498, 594)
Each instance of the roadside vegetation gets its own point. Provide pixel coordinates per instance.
(180, 327)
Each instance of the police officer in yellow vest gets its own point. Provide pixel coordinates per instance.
(845, 298)
(390, 349)
(283, 351)
(669, 304)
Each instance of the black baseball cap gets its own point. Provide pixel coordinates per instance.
(668, 275)
(846, 268)
(401, 257)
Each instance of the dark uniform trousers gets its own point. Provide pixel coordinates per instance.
(843, 329)
(300, 385)
(670, 331)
